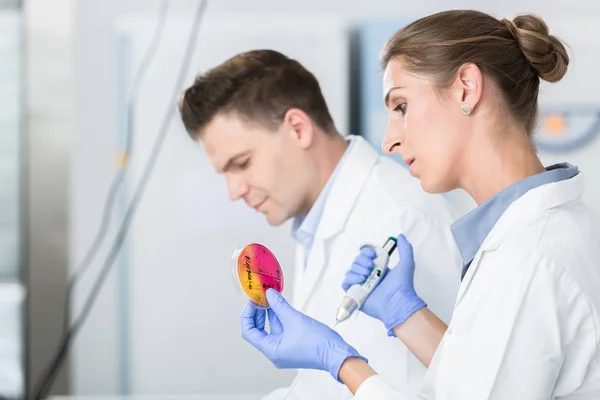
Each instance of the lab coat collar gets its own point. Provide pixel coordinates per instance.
(305, 226)
(537, 200)
(352, 176)
(471, 230)
(540, 199)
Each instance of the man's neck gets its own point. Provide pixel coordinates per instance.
(327, 156)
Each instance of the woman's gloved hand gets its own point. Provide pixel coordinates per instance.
(294, 340)
(394, 299)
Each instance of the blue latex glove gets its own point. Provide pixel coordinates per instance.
(295, 340)
(394, 299)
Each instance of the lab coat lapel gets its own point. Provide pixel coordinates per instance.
(469, 275)
(314, 269)
(352, 176)
(539, 199)
(298, 272)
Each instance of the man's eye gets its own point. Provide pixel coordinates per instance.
(244, 164)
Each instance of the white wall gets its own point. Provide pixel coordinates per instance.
(183, 335)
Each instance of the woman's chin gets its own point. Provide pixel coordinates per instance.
(434, 187)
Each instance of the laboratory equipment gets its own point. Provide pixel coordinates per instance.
(255, 269)
(567, 127)
(358, 293)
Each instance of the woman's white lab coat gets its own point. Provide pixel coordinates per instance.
(526, 323)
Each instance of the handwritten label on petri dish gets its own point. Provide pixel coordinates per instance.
(258, 270)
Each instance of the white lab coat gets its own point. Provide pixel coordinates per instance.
(374, 197)
(527, 320)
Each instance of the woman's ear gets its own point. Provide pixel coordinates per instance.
(467, 88)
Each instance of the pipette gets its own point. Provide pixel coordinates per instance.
(358, 293)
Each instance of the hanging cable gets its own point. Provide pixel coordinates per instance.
(47, 378)
(127, 151)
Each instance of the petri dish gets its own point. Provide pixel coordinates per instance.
(256, 269)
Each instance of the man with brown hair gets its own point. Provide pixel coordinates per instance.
(266, 127)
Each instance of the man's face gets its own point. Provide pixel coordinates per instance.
(268, 169)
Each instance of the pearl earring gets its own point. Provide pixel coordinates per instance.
(465, 108)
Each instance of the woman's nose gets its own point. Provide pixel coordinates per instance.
(392, 141)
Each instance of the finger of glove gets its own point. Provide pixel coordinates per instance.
(280, 306)
(275, 325)
(363, 261)
(251, 332)
(260, 317)
(368, 252)
(361, 269)
(405, 251)
(352, 279)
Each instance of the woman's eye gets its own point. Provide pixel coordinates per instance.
(401, 108)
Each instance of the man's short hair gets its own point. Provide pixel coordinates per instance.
(260, 86)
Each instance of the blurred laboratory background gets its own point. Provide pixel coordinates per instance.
(166, 318)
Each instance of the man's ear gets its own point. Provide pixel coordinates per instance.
(180, 99)
(299, 126)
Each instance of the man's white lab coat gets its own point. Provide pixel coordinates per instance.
(372, 198)
(527, 319)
